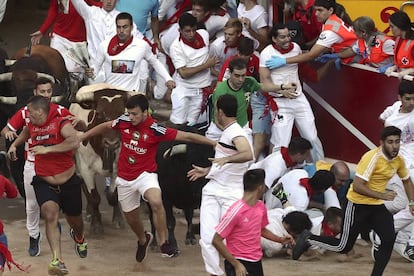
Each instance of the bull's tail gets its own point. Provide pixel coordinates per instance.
(28, 50)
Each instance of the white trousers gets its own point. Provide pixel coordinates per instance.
(403, 219)
(186, 104)
(32, 208)
(296, 111)
(63, 45)
(215, 201)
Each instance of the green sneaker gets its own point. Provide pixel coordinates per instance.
(57, 267)
(81, 249)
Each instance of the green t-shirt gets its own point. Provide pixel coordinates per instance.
(242, 95)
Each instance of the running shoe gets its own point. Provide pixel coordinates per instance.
(34, 246)
(81, 248)
(142, 249)
(57, 267)
(167, 250)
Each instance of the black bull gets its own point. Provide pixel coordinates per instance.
(176, 188)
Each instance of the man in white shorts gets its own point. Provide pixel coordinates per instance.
(137, 177)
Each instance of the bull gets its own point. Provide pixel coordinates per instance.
(96, 104)
(174, 160)
(17, 81)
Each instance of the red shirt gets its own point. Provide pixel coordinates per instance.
(252, 67)
(49, 134)
(21, 119)
(311, 27)
(139, 145)
(70, 26)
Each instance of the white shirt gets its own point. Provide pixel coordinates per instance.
(100, 25)
(404, 121)
(284, 74)
(129, 59)
(296, 194)
(274, 166)
(258, 19)
(183, 55)
(231, 174)
(217, 48)
(215, 25)
(328, 38)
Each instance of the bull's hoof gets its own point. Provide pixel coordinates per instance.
(190, 239)
(88, 218)
(96, 229)
(118, 224)
(154, 246)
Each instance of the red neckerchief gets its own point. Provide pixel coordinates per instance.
(9, 259)
(283, 51)
(196, 44)
(327, 231)
(206, 18)
(232, 47)
(304, 182)
(286, 157)
(221, 12)
(115, 48)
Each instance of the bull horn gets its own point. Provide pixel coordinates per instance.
(44, 75)
(133, 93)
(6, 76)
(57, 99)
(10, 62)
(8, 100)
(174, 150)
(86, 93)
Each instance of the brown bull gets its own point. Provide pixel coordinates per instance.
(52, 57)
(96, 104)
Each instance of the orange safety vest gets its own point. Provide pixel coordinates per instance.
(403, 50)
(376, 57)
(336, 25)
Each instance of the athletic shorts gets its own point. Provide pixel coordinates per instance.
(253, 268)
(67, 195)
(130, 192)
(260, 123)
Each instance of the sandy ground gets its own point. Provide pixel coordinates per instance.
(113, 253)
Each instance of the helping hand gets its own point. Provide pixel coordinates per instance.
(275, 62)
(326, 57)
(384, 68)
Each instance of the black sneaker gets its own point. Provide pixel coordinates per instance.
(34, 246)
(280, 193)
(81, 248)
(409, 253)
(142, 249)
(301, 244)
(167, 250)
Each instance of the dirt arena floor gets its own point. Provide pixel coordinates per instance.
(113, 253)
